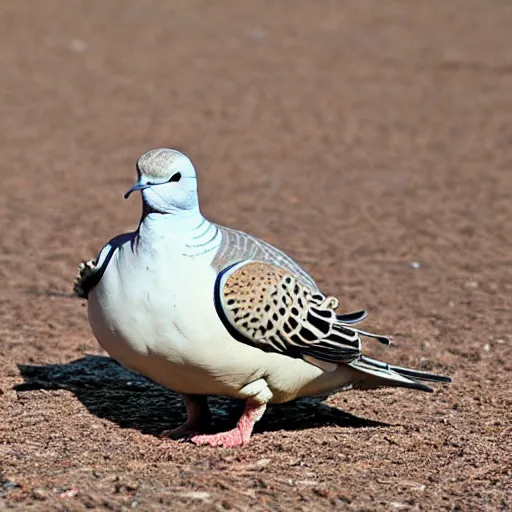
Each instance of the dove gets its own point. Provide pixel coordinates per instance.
(206, 310)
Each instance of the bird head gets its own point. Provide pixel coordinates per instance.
(167, 181)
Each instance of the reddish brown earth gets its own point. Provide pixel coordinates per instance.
(358, 136)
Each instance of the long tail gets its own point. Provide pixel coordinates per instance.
(390, 375)
(355, 318)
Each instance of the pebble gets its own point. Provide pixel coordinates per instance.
(70, 493)
(40, 494)
(196, 495)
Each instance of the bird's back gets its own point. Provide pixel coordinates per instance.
(237, 246)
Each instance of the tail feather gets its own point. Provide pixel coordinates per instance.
(382, 339)
(342, 327)
(352, 318)
(373, 373)
(389, 375)
(355, 318)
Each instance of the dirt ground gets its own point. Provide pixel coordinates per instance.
(371, 140)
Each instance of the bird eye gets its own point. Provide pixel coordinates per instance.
(175, 177)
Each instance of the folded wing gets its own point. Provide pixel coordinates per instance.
(265, 306)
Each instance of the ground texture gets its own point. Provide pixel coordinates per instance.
(371, 140)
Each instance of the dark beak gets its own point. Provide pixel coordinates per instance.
(137, 186)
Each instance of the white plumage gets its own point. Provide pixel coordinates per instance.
(207, 310)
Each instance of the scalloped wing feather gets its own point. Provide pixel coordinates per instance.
(270, 308)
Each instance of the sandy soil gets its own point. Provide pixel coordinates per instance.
(371, 140)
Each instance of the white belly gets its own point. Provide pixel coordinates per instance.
(160, 320)
(156, 318)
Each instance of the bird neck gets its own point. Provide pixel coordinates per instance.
(186, 233)
(164, 224)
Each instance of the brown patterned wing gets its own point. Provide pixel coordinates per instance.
(238, 246)
(266, 306)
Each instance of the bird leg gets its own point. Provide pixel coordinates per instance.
(199, 419)
(259, 395)
(238, 436)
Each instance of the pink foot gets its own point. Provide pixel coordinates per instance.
(229, 439)
(239, 436)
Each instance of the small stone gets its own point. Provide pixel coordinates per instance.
(40, 494)
(415, 265)
(323, 493)
(125, 485)
(397, 505)
(131, 486)
(70, 493)
(472, 284)
(486, 347)
(196, 495)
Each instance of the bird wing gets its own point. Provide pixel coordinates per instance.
(237, 246)
(266, 306)
(90, 272)
(87, 278)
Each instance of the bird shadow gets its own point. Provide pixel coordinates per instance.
(110, 391)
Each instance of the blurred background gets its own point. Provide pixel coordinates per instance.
(342, 131)
(370, 140)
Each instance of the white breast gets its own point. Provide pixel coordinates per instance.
(154, 312)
